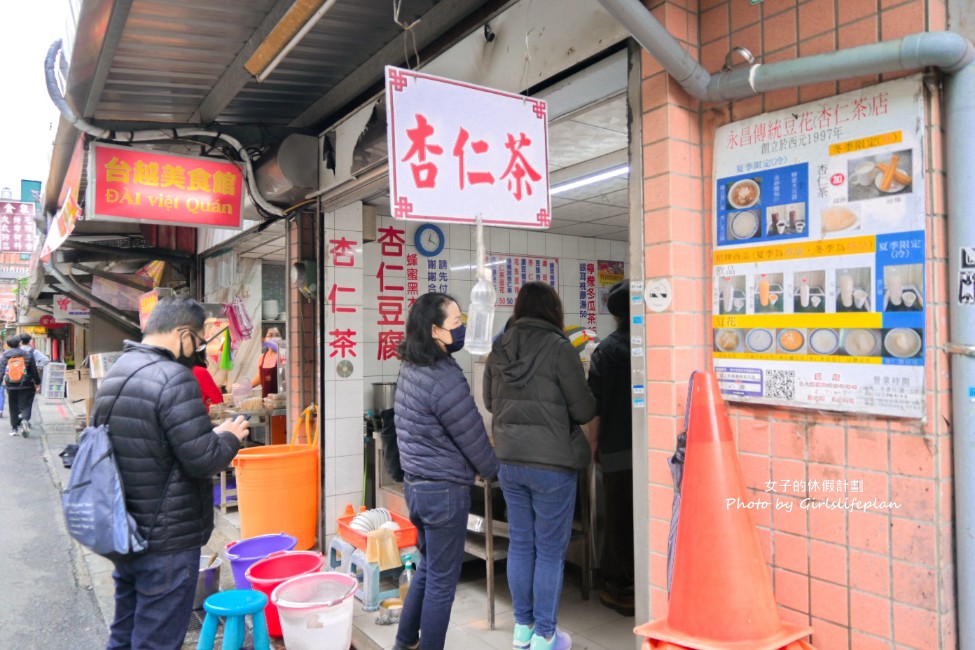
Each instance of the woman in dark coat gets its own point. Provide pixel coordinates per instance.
(443, 446)
(535, 387)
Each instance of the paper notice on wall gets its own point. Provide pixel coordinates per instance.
(819, 231)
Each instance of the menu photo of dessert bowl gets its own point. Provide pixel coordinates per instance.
(860, 342)
(759, 339)
(744, 225)
(744, 193)
(792, 341)
(727, 339)
(902, 343)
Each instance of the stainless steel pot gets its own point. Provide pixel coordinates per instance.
(207, 581)
(383, 396)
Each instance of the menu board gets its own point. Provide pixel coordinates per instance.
(510, 272)
(819, 231)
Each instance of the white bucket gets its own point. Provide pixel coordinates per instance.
(316, 610)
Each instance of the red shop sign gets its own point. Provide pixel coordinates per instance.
(48, 321)
(130, 184)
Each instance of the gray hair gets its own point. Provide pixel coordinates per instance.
(175, 312)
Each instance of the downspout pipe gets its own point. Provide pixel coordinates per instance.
(960, 166)
(954, 55)
(945, 50)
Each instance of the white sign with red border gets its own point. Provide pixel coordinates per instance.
(458, 152)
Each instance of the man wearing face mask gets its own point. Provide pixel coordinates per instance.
(167, 451)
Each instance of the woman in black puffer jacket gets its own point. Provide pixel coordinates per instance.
(535, 387)
(443, 446)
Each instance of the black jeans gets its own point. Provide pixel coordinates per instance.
(616, 563)
(20, 401)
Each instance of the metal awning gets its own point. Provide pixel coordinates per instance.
(150, 63)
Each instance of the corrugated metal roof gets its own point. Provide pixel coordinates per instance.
(345, 38)
(172, 53)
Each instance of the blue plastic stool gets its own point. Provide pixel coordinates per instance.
(340, 554)
(233, 606)
(369, 576)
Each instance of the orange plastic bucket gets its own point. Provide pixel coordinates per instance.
(277, 489)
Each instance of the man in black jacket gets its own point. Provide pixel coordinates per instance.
(21, 380)
(611, 433)
(167, 451)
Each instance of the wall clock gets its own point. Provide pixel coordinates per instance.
(429, 240)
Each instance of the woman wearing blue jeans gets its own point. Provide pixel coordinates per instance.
(442, 446)
(535, 387)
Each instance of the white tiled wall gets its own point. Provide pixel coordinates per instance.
(344, 402)
(460, 254)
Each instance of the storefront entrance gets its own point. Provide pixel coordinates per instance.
(586, 251)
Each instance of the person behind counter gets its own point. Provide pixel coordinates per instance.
(611, 434)
(442, 445)
(208, 387)
(267, 366)
(535, 387)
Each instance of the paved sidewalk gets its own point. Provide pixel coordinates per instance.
(55, 422)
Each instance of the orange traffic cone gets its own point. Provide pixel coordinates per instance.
(650, 644)
(721, 595)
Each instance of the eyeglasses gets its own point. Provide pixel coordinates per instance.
(203, 346)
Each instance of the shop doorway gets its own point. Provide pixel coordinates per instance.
(593, 218)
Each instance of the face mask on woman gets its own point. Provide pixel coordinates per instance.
(457, 338)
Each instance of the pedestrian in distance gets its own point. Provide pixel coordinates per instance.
(21, 381)
(167, 451)
(611, 434)
(443, 446)
(535, 387)
(41, 359)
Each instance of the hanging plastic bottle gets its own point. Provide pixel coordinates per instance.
(586, 354)
(406, 577)
(480, 314)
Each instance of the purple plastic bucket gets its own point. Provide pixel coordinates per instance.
(246, 552)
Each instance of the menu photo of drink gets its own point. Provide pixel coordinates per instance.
(819, 254)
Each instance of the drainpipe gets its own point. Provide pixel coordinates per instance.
(960, 166)
(955, 55)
